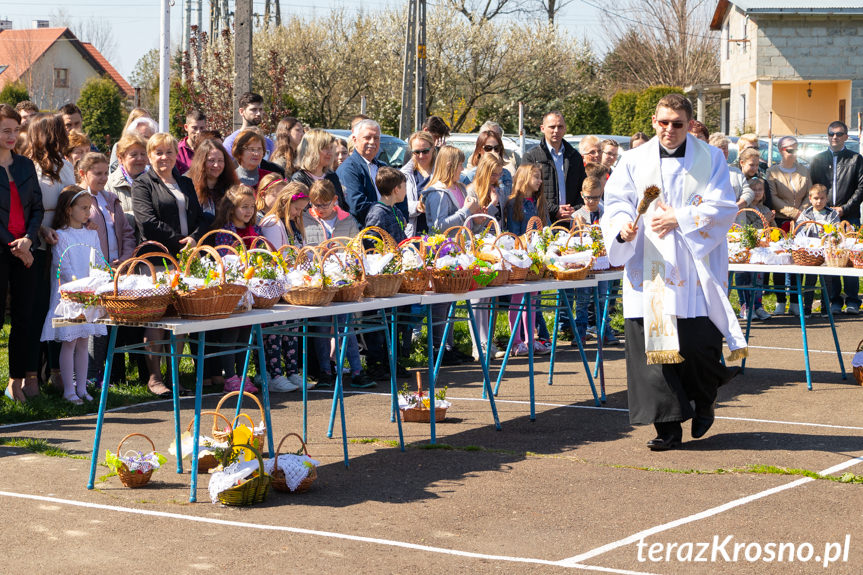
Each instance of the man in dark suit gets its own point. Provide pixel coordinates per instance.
(357, 173)
(562, 168)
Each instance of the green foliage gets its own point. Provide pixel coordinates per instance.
(587, 113)
(14, 92)
(622, 109)
(178, 106)
(645, 106)
(102, 112)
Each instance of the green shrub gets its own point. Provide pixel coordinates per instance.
(645, 106)
(102, 111)
(587, 113)
(14, 92)
(622, 109)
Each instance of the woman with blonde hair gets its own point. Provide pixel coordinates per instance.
(486, 187)
(445, 200)
(79, 145)
(418, 172)
(315, 157)
(134, 115)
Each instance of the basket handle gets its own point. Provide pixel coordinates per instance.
(805, 223)
(534, 224)
(764, 223)
(568, 224)
(122, 441)
(389, 242)
(493, 222)
(236, 236)
(460, 231)
(228, 396)
(349, 252)
(418, 244)
(214, 414)
(127, 265)
(518, 243)
(445, 243)
(137, 249)
(260, 239)
(88, 246)
(257, 454)
(252, 423)
(209, 251)
(860, 345)
(278, 449)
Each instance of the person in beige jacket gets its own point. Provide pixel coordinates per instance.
(788, 183)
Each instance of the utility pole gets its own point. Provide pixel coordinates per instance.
(420, 86)
(187, 24)
(278, 13)
(164, 65)
(408, 72)
(242, 55)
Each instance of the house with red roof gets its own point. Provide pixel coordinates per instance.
(53, 64)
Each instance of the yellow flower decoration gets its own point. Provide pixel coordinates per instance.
(775, 236)
(829, 228)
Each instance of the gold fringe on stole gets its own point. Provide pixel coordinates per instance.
(737, 354)
(662, 357)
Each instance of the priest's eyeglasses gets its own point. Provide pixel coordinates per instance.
(666, 123)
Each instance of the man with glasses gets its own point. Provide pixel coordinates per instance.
(841, 171)
(675, 301)
(562, 168)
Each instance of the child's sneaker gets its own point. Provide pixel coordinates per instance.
(520, 350)
(233, 384)
(743, 312)
(540, 349)
(762, 314)
(282, 384)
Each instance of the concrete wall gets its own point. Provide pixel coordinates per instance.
(822, 49)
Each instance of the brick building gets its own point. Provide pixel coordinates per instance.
(801, 60)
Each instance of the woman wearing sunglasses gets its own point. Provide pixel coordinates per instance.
(487, 142)
(418, 172)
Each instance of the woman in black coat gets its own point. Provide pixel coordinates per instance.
(20, 218)
(166, 210)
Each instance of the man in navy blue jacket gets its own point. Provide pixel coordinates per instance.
(357, 173)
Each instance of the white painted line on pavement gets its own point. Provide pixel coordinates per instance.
(577, 559)
(301, 531)
(830, 351)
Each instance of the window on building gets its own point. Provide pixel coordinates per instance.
(61, 77)
(842, 110)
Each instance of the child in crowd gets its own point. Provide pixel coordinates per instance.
(269, 189)
(525, 202)
(283, 225)
(116, 241)
(236, 213)
(749, 160)
(324, 220)
(817, 211)
(748, 297)
(71, 256)
(391, 184)
(589, 215)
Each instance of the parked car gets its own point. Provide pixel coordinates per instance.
(394, 151)
(763, 147)
(575, 139)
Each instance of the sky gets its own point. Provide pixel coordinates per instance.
(135, 23)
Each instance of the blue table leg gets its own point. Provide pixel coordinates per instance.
(436, 368)
(265, 387)
(750, 310)
(600, 336)
(175, 378)
(431, 356)
(486, 380)
(509, 344)
(305, 379)
(342, 347)
(199, 390)
(803, 330)
(337, 377)
(581, 351)
(530, 328)
(826, 299)
(558, 300)
(249, 344)
(103, 402)
(392, 341)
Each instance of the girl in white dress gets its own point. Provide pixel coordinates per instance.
(72, 255)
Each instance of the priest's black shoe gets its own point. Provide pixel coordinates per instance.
(702, 421)
(669, 435)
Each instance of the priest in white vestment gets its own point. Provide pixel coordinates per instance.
(675, 253)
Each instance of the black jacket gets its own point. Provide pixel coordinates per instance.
(573, 172)
(304, 178)
(156, 213)
(24, 174)
(849, 180)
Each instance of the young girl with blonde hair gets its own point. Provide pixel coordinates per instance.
(445, 199)
(283, 224)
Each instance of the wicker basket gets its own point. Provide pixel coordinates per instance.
(220, 435)
(213, 302)
(273, 291)
(85, 298)
(764, 222)
(252, 490)
(354, 290)
(516, 274)
(133, 479)
(381, 285)
(803, 256)
(417, 415)
(209, 461)
(414, 281)
(277, 477)
(858, 370)
(501, 276)
(309, 258)
(856, 258)
(741, 257)
(450, 281)
(575, 274)
(137, 305)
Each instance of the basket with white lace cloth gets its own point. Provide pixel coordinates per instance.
(291, 472)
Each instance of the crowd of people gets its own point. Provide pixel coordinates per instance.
(61, 200)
